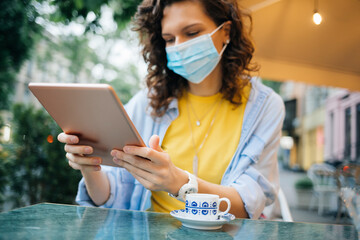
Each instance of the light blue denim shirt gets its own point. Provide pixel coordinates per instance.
(253, 170)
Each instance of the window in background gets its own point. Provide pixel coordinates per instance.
(347, 152)
(290, 116)
(332, 139)
(358, 132)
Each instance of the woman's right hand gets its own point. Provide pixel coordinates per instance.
(76, 154)
(96, 181)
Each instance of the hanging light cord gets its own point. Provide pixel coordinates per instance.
(316, 6)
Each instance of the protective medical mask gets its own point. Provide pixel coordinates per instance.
(194, 59)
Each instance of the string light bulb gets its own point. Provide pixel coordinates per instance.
(316, 16)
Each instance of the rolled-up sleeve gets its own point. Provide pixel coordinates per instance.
(255, 191)
(254, 173)
(255, 183)
(83, 198)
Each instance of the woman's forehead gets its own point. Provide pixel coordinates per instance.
(184, 13)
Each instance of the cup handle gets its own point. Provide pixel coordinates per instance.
(228, 205)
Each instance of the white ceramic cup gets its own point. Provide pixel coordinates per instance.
(204, 206)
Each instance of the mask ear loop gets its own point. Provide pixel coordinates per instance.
(217, 29)
(227, 41)
(223, 49)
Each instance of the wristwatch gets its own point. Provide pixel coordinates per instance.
(187, 188)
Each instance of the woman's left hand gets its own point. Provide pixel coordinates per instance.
(152, 167)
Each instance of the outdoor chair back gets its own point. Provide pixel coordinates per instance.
(324, 181)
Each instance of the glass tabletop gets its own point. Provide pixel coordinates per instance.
(56, 221)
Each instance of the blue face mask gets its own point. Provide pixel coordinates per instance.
(194, 59)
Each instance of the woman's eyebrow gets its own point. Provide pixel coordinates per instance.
(183, 29)
(190, 26)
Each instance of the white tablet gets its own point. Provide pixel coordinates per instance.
(93, 112)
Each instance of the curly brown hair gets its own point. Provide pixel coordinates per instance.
(163, 84)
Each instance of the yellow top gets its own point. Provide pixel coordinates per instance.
(218, 148)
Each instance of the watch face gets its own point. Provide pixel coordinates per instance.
(191, 190)
(190, 187)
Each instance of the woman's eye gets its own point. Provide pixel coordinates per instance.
(190, 34)
(170, 40)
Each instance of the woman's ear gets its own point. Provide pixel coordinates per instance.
(227, 30)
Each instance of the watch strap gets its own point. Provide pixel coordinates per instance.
(190, 187)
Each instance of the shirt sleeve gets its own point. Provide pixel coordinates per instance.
(255, 176)
(125, 191)
(258, 185)
(83, 198)
(251, 192)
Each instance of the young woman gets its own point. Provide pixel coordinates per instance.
(210, 128)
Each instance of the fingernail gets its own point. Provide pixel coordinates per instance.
(97, 168)
(96, 161)
(88, 150)
(113, 153)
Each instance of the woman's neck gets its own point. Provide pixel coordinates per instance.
(210, 85)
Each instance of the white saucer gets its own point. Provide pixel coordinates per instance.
(201, 224)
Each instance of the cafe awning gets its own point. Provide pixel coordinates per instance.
(289, 46)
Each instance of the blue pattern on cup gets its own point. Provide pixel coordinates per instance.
(205, 212)
(205, 205)
(201, 208)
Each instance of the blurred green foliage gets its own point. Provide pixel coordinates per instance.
(17, 30)
(4, 168)
(36, 167)
(70, 10)
(33, 170)
(125, 89)
(275, 85)
(304, 183)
